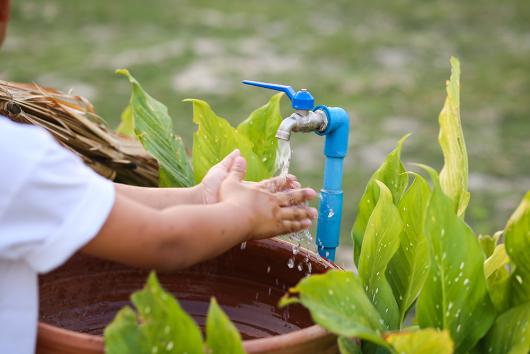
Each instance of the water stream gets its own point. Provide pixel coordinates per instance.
(301, 238)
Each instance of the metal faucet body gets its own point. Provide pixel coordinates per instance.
(302, 121)
(333, 123)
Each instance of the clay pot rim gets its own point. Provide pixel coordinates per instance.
(95, 342)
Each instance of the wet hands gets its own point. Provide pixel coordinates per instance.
(268, 208)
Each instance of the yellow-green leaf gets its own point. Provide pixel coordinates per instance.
(126, 126)
(409, 266)
(215, 138)
(454, 174)
(380, 243)
(454, 296)
(425, 341)
(392, 174)
(154, 129)
(222, 336)
(337, 302)
(260, 128)
(517, 235)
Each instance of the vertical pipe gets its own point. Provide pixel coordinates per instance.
(331, 196)
(330, 211)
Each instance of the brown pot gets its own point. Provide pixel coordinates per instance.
(80, 298)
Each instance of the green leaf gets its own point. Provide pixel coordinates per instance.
(454, 296)
(123, 334)
(159, 326)
(496, 271)
(392, 174)
(488, 243)
(222, 336)
(260, 128)
(126, 126)
(425, 341)
(215, 138)
(348, 346)
(517, 235)
(154, 129)
(454, 174)
(510, 334)
(409, 267)
(381, 241)
(498, 260)
(338, 303)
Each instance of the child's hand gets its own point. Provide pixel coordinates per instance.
(267, 208)
(211, 182)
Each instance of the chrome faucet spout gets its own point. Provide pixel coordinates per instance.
(302, 121)
(286, 127)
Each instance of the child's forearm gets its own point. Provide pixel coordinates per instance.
(161, 198)
(168, 239)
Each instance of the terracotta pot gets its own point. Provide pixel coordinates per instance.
(79, 299)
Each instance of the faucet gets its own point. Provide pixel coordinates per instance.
(334, 124)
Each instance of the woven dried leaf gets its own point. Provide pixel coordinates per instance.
(74, 123)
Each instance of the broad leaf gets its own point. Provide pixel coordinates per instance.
(498, 260)
(260, 128)
(425, 341)
(517, 235)
(222, 336)
(126, 126)
(409, 267)
(380, 243)
(454, 296)
(454, 174)
(154, 129)
(338, 303)
(392, 174)
(159, 326)
(511, 332)
(488, 243)
(215, 138)
(348, 346)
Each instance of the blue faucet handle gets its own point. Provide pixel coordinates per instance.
(299, 100)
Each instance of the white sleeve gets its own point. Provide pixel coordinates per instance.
(51, 204)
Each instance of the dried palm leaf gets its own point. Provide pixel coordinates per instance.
(74, 123)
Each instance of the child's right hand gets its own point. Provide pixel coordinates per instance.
(263, 211)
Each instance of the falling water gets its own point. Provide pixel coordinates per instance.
(301, 238)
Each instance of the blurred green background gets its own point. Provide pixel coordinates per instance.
(384, 61)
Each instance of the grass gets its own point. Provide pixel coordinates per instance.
(385, 62)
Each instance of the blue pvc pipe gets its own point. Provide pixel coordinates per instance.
(331, 195)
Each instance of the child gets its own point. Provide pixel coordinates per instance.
(52, 205)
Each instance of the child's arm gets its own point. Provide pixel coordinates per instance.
(182, 235)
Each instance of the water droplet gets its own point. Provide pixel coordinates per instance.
(243, 245)
(299, 267)
(169, 346)
(290, 263)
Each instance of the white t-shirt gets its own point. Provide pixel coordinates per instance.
(51, 205)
